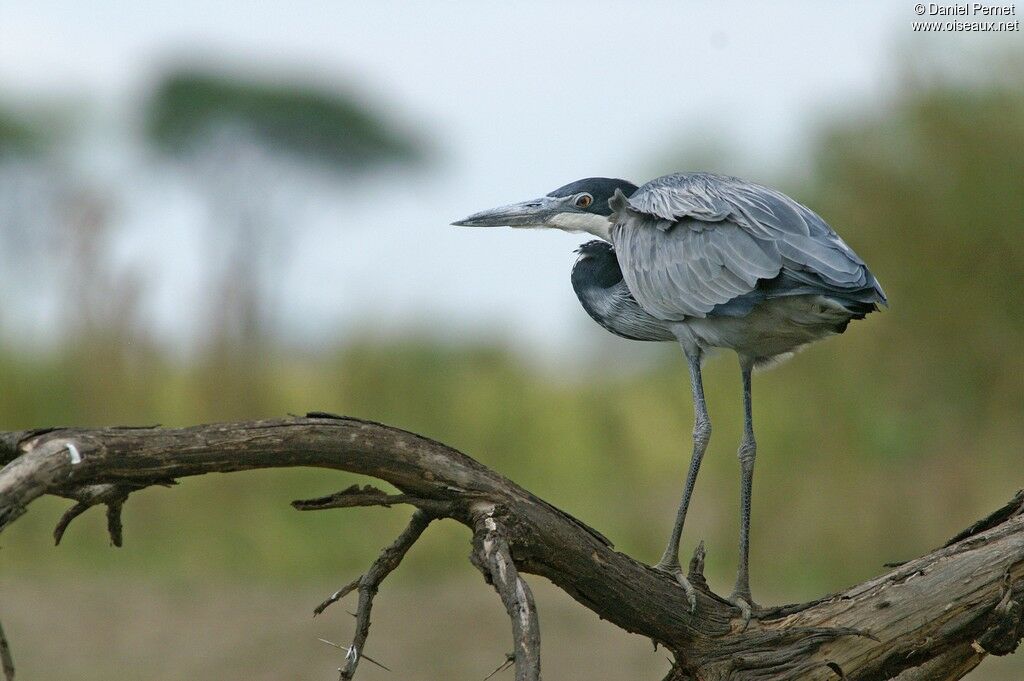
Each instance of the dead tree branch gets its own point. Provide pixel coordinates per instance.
(934, 617)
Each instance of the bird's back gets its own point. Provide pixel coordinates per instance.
(736, 262)
(690, 243)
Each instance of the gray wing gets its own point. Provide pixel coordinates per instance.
(688, 243)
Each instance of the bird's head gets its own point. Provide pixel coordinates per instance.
(580, 206)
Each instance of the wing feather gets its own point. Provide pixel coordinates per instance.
(691, 242)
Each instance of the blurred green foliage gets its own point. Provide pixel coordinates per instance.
(873, 447)
(330, 128)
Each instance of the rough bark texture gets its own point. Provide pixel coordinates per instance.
(934, 617)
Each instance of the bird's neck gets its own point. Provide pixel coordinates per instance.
(598, 225)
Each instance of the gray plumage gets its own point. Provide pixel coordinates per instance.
(737, 265)
(597, 280)
(711, 262)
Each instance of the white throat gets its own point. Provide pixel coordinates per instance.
(598, 225)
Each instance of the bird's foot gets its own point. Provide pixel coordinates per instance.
(746, 606)
(673, 569)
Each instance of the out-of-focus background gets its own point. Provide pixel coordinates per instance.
(214, 211)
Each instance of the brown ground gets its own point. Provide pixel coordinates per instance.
(95, 630)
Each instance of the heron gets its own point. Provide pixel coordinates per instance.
(709, 262)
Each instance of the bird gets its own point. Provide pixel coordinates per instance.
(710, 262)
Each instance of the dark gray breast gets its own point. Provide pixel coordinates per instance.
(599, 285)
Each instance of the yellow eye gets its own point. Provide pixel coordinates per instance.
(584, 200)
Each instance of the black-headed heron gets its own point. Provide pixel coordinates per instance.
(707, 261)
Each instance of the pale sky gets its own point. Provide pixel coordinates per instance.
(520, 98)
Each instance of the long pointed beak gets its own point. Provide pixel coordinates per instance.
(533, 213)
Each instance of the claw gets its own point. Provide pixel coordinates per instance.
(746, 607)
(676, 572)
(691, 593)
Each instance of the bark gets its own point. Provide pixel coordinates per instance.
(934, 617)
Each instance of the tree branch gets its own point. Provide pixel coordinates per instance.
(368, 585)
(933, 617)
(366, 495)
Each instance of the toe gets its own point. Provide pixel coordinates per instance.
(691, 593)
(676, 571)
(746, 607)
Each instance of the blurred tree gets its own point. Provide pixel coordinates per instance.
(334, 129)
(255, 149)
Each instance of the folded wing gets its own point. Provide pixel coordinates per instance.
(689, 244)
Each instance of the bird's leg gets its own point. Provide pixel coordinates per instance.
(701, 435)
(747, 452)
